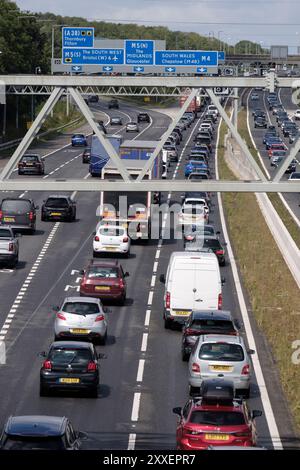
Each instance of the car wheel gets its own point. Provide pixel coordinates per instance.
(74, 216)
(223, 263)
(184, 355)
(167, 324)
(245, 392)
(43, 217)
(94, 392)
(193, 390)
(122, 300)
(95, 254)
(43, 391)
(103, 339)
(20, 172)
(128, 254)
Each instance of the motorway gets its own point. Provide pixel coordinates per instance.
(143, 376)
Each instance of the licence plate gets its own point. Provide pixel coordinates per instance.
(8, 219)
(55, 213)
(79, 331)
(217, 437)
(69, 381)
(110, 248)
(181, 313)
(102, 288)
(29, 164)
(222, 368)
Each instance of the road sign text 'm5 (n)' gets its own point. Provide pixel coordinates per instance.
(139, 52)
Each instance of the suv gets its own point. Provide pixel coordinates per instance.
(215, 418)
(205, 322)
(143, 117)
(58, 207)
(18, 213)
(39, 432)
(113, 104)
(31, 164)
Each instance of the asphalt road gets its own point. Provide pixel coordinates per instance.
(61, 250)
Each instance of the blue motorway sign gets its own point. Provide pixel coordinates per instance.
(202, 70)
(139, 52)
(139, 69)
(77, 37)
(221, 55)
(76, 68)
(170, 69)
(93, 56)
(186, 58)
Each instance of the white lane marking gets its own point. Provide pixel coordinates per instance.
(150, 298)
(268, 411)
(144, 342)
(144, 130)
(157, 254)
(140, 372)
(153, 280)
(155, 267)
(147, 318)
(131, 442)
(136, 406)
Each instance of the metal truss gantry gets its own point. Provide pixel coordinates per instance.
(191, 86)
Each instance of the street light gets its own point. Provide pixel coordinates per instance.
(220, 44)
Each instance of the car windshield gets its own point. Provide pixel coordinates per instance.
(65, 356)
(217, 418)
(102, 272)
(81, 308)
(78, 136)
(223, 326)
(195, 202)
(295, 176)
(221, 352)
(30, 158)
(57, 202)
(33, 443)
(16, 206)
(214, 243)
(4, 233)
(112, 231)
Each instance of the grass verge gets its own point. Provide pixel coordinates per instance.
(273, 293)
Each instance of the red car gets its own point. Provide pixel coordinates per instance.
(104, 279)
(215, 420)
(275, 147)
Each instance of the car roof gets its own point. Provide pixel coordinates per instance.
(104, 263)
(16, 199)
(233, 406)
(58, 196)
(31, 155)
(209, 314)
(72, 344)
(222, 339)
(36, 425)
(89, 300)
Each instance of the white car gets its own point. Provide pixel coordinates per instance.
(111, 239)
(132, 127)
(205, 126)
(189, 202)
(192, 213)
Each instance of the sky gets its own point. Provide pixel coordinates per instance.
(186, 15)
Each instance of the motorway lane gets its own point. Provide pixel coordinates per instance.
(291, 198)
(165, 383)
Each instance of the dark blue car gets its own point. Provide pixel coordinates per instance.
(79, 140)
(192, 165)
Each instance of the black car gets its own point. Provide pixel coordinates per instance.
(19, 213)
(205, 322)
(86, 156)
(258, 113)
(70, 366)
(260, 122)
(178, 132)
(113, 104)
(292, 167)
(59, 207)
(143, 117)
(205, 244)
(31, 163)
(93, 99)
(39, 433)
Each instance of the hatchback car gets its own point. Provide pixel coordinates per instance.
(172, 151)
(78, 140)
(113, 104)
(31, 164)
(111, 239)
(70, 365)
(191, 214)
(220, 356)
(295, 175)
(206, 322)
(207, 242)
(81, 319)
(59, 207)
(116, 121)
(198, 174)
(20, 214)
(105, 280)
(192, 165)
(261, 123)
(143, 117)
(215, 419)
(39, 433)
(86, 155)
(132, 127)
(191, 231)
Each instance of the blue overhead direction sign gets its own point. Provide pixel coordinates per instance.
(202, 69)
(93, 56)
(170, 69)
(139, 52)
(139, 69)
(107, 68)
(221, 55)
(77, 37)
(76, 68)
(186, 58)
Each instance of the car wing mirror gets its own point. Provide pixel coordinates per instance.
(126, 274)
(42, 354)
(251, 351)
(102, 356)
(223, 280)
(55, 308)
(256, 414)
(162, 278)
(81, 272)
(82, 435)
(218, 232)
(177, 410)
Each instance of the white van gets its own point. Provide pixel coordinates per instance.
(192, 282)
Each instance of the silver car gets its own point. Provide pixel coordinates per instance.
(132, 127)
(81, 319)
(220, 356)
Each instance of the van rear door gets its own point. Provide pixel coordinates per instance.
(207, 288)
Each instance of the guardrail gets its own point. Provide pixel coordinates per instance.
(14, 143)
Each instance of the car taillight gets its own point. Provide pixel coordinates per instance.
(220, 252)
(125, 239)
(196, 368)
(168, 300)
(246, 370)
(189, 238)
(99, 318)
(31, 215)
(11, 247)
(1, 214)
(190, 331)
(97, 239)
(47, 365)
(220, 301)
(121, 283)
(92, 366)
(61, 316)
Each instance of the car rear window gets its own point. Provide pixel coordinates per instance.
(30, 158)
(65, 356)
(214, 244)
(33, 443)
(210, 324)
(198, 176)
(81, 308)
(217, 418)
(193, 209)
(221, 352)
(5, 233)
(112, 231)
(103, 272)
(16, 206)
(57, 202)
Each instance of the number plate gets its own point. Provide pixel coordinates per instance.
(110, 248)
(217, 437)
(102, 288)
(8, 219)
(181, 313)
(222, 368)
(79, 331)
(69, 381)
(55, 213)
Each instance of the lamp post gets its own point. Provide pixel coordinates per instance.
(219, 39)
